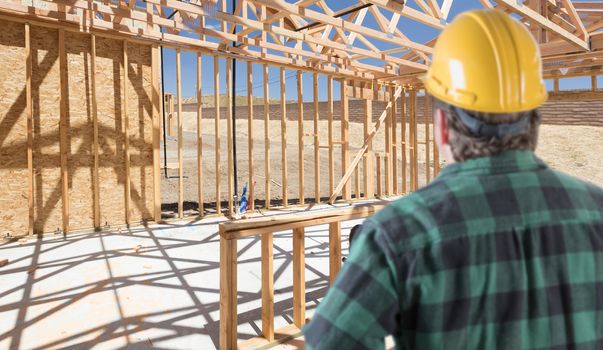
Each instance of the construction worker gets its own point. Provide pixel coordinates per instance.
(499, 251)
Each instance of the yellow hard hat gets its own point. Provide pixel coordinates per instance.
(486, 61)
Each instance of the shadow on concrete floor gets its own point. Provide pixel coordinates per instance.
(145, 288)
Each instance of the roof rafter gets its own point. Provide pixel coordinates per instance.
(312, 35)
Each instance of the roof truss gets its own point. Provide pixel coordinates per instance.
(311, 35)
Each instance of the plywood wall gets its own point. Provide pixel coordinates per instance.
(80, 134)
(139, 90)
(46, 110)
(46, 89)
(112, 171)
(13, 131)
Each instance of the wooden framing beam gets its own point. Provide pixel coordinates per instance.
(403, 140)
(126, 130)
(334, 250)
(199, 76)
(300, 137)
(345, 141)
(436, 151)
(368, 166)
(299, 278)
(29, 114)
(394, 148)
(267, 286)
(379, 183)
(180, 136)
(426, 118)
(446, 5)
(283, 138)
(156, 120)
(228, 294)
(316, 140)
(63, 130)
(251, 180)
(388, 147)
(266, 136)
(414, 145)
(217, 133)
(229, 137)
(330, 133)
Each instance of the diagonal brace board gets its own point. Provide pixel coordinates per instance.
(367, 141)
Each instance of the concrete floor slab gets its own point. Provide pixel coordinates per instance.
(93, 290)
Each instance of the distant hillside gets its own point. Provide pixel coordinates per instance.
(208, 100)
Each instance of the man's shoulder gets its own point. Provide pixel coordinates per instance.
(409, 220)
(576, 188)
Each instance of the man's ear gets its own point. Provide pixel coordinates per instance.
(442, 123)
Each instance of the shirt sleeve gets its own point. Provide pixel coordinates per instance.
(362, 307)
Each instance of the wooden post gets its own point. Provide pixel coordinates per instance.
(357, 181)
(63, 130)
(403, 140)
(283, 139)
(156, 133)
(169, 103)
(228, 294)
(388, 152)
(267, 287)
(368, 166)
(593, 82)
(217, 131)
(436, 151)
(556, 85)
(427, 141)
(299, 278)
(229, 138)
(379, 187)
(126, 124)
(199, 135)
(394, 147)
(334, 250)
(316, 142)
(414, 168)
(266, 137)
(330, 132)
(300, 136)
(250, 135)
(29, 112)
(345, 142)
(180, 162)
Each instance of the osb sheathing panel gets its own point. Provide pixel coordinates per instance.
(14, 190)
(80, 133)
(112, 175)
(139, 91)
(46, 91)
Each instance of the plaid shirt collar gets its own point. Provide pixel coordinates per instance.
(503, 163)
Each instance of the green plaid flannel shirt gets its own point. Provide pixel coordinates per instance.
(496, 253)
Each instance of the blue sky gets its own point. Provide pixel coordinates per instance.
(414, 30)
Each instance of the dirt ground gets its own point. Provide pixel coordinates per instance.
(576, 150)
